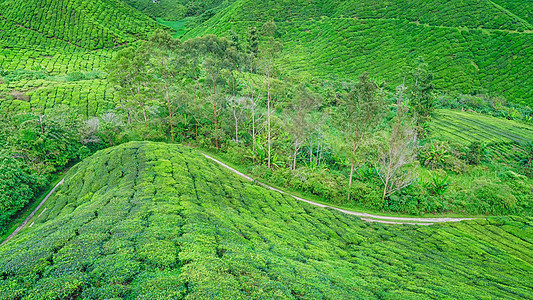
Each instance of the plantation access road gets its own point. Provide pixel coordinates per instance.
(33, 213)
(364, 216)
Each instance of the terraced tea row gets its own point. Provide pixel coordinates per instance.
(341, 46)
(465, 128)
(79, 23)
(88, 97)
(148, 220)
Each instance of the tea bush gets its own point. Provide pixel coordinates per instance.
(159, 221)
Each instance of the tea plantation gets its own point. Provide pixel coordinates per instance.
(154, 221)
(471, 46)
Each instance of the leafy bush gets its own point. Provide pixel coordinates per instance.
(475, 153)
(18, 185)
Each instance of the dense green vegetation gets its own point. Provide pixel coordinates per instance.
(471, 46)
(392, 107)
(82, 24)
(467, 127)
(34, 147)
(148, 220)
(178, 9)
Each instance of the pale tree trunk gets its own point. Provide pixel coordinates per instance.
(215, 111)
(295, 154)
(354, 149)
(253, 112)
(236, 126)
(144, 114)
(268, 121)
(310, 153)
(167, 97)
(385, 188)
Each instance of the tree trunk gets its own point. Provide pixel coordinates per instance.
(385, 188)
(268, 113)
(310, 153)
(253, 113)
(295, 153)
(352, 167)
(167, 96)
(236, 126)
(144, 114)
(216, 122)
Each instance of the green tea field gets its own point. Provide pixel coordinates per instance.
(155, 221)
(471, 46)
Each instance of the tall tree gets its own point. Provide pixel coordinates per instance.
(360, 112)
(129, 74)
(215, 56)
(270, 51)
(399, 154)
(299, 130)
(167, 65)
(422, 102)
(253, 52)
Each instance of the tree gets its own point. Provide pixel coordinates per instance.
(253, 52)
(270, 51)
(399, 153)
(422, 102)
(299, 130)
(360, 113)
(167, 65)
(216, 57)
(129, 74)
(18, 186)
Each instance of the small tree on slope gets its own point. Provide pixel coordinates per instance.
(396, 160)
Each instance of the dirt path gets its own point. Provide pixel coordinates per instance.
(364, 216)
(33, 213)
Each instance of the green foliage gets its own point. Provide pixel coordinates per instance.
(469, 46)
(82, 24)
(435, 154)
(157, 221)
(18, 185)
(526, 159)
(179, 9)
(475, 153)
(437, 185)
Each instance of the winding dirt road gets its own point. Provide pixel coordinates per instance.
(364, 216)
(33, 213)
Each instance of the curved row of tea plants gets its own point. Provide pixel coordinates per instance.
(455, 13)
(80, 23)
(467, 127)
(467, 60)
(148, 220)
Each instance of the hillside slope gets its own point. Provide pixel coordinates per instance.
(471, 46)
(155, 221)
(79, 23)
(55, 38)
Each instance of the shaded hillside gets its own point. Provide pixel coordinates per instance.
(471, 46)
(177, 9)
(155, 221)
(80, 23)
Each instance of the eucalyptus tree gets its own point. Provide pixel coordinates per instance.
(360, 112)
(130, 76)
(213, 57)
(167, 64)
(304, 102)
(252, 53)
(422, 100)
(398, 156)
(269, 52)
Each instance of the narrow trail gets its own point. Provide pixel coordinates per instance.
(364, 216)
(33, 213)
